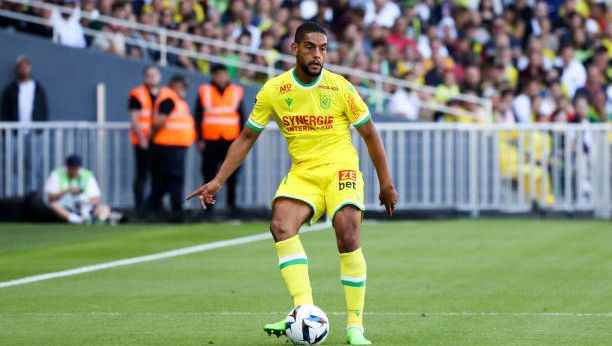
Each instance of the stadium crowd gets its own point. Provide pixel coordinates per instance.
(544, 61)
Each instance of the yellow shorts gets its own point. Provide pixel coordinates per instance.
(326, 188)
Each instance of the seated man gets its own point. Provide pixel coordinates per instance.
(73, 194)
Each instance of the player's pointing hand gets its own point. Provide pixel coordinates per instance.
(388, 198)
(206, 193)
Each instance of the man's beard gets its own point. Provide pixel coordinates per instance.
(306, 70)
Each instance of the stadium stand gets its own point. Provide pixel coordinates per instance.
(475, 48)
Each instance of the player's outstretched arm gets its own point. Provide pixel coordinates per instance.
(235, 156)
(388, 195)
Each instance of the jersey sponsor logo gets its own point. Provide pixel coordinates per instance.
(347, 179)
(285, 88)
(306, 123)
(325, 101)
(328, 87)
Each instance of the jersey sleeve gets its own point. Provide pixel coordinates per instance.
(260, 115)
(356, 109)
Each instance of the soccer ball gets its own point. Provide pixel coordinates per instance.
(307, 325)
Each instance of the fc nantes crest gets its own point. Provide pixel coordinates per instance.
(325, 101)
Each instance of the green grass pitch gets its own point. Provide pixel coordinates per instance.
(462, 282)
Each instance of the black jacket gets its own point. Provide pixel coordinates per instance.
(10, 107)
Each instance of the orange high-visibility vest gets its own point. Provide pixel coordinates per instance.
(221, 118)
(179, 127)
(144, 117)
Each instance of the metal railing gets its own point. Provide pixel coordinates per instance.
(380, 82)
(435, 166)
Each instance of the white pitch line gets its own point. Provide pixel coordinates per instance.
(333, 313)
(426, 314)
(153, 257)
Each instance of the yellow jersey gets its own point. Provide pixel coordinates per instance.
(314, 118)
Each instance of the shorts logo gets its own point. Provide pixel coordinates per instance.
(347, 179)
(325, 101)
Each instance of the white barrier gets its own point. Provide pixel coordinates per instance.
(435, 166)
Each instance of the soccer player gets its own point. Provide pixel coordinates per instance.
(314, 109)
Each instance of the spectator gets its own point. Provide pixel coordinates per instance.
(602, 61)
(581, 110)
(404, 104)
(573, 75)
(398, 36)
(595, 93)
(189, 12)
(502, 107)
(112, 37)
(233, 11)
(67, 26)
(472, 80)
(185, 61)
(449, 88)
(246, 26)
(523, 106)
(220, 113)
(435, 76)
(381, 12)
(24, 101)
(535, 66)
(72, 192)
(268, 42)
(515, 166)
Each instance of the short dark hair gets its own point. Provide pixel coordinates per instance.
(217, 68)
(306, 28)
(601, 50)
(117, 6)
(178, 78)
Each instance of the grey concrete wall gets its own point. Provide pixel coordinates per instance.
(70, 76)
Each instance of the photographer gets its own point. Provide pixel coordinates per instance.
(73, 194)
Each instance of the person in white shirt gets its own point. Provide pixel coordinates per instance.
(381, 12)
(527, 105)
(246, 26)
(72, 192)
(24, 101)
(404, 104)
(67, 26)
(573, 74)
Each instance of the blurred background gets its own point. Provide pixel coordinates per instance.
(484, 107)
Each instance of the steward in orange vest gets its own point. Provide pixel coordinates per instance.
(219, 118)
(173, 132)
(140, 107)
